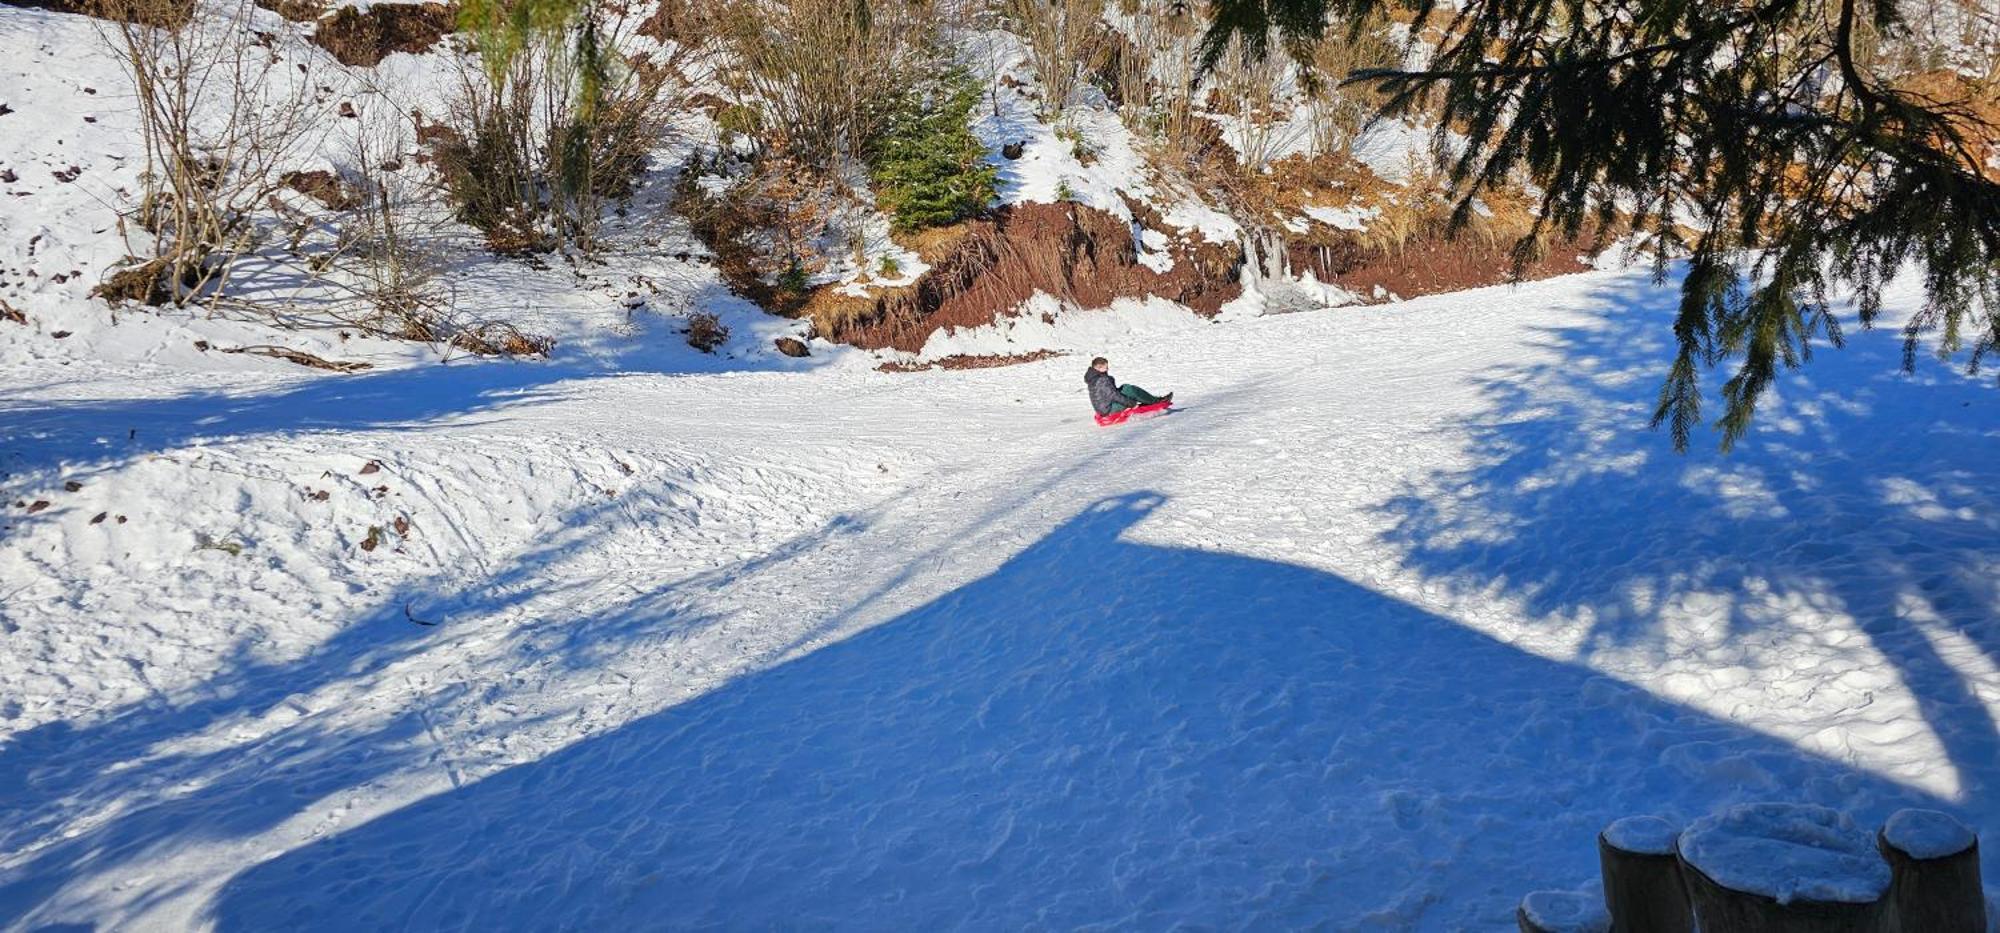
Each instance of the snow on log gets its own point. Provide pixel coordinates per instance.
(1643, 890)
(1783, 868)
(1934, 863)
(1561, 912)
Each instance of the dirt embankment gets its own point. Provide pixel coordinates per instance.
(983, 270)
(365, 39)
(989, 267)
(1404, 248)
(1428, 264)
(354, 37)
(170, 14)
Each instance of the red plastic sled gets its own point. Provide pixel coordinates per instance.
(1118, 417)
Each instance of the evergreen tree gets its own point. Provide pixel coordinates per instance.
(928, 168)
(1778, 144)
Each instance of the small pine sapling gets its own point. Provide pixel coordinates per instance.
(928, 168)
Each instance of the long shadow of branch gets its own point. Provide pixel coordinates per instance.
(1861, 493)
(163, 776)
(90, 433)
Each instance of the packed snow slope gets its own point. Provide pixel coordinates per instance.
(1376, 632)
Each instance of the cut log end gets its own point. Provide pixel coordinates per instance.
(1776, 868)
(1783, 868)
(1643, 890)
(1561, 912)
(1934, 873)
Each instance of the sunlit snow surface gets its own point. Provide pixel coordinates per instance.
(1397, 613)
(1381, 629)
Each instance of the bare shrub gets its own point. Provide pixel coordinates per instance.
(222, 119)
(1067, 41)
(390, 252)
(392, 235)
(495, 338)
(824, 73)
(1252, 89)
(767, 229)
(550, 124)
(489, 162)
(1159, 77)
(1340, 110)
(706, 332)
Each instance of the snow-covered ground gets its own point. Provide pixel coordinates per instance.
(1377, 632)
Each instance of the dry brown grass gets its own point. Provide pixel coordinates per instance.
(500, 339)
(933, 243)
(1975, 103)
(824, 73)
(833, 312)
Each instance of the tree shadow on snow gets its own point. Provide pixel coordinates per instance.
(86, 434)
(1860, 491)
(1099, 732)
(92, 433)
(166, 775)
(255, 745)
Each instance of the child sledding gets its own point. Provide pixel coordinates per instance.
(1115, 403)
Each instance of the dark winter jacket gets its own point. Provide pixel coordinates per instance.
(1104, 394)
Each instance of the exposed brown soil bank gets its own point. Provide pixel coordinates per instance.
(298, 11)
(1426, 265)
(172, 14)
(971, 361)
(1075, 253)
(364, 39)
(1405, 250)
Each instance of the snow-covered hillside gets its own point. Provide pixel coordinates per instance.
(1376, 632)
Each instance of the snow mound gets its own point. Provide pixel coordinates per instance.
(1645, 835)
(1788, 852)
(1928, 834)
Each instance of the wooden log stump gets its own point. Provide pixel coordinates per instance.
(1643, 891)
(1934, 867)
(1561, 912)
(1783, 868)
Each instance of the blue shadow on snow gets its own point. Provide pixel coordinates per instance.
(1100, 732)
(1860, 491)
